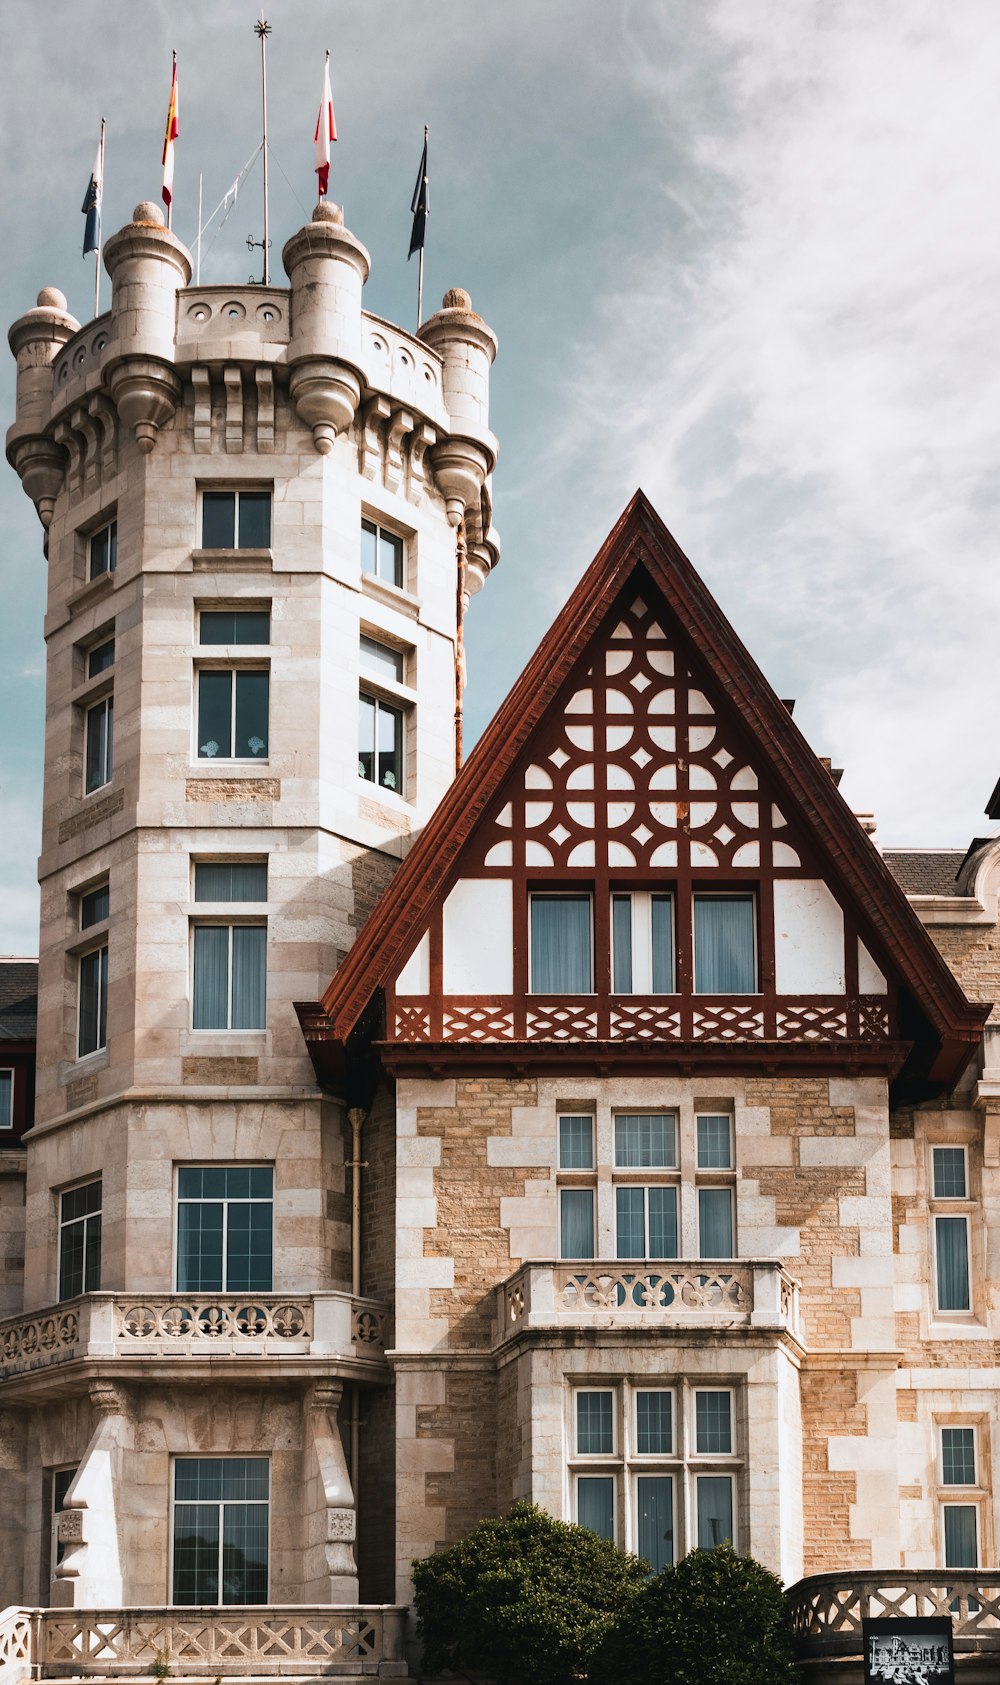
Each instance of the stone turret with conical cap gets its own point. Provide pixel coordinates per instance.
(327, 268)
(147, 265)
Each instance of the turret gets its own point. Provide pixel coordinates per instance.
(35, 339)
(464, 461)
(147, 265)
(328, 268)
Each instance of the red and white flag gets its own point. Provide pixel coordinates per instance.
(169, 136)
(326, 131)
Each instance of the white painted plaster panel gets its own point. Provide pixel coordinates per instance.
(871, 981)
(808, 938)
(415, 977)
(479, 938)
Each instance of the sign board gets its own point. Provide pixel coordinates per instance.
(909, 1652)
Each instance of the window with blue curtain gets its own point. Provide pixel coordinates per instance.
(230, 977)
(595, 1504)
(621, 944)
(961, 1548)
(6, 1099)
(951, 1238)
(715, 1223)
(724, 945)
(655, 1519)
(576, 1223)
(715, 1510)
(561, 947)
(646, 1221)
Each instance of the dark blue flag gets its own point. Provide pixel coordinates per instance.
(91, 206)
(419, 206)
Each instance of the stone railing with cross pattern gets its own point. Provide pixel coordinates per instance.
(828, 1610)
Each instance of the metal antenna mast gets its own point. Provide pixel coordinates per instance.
(263, 29)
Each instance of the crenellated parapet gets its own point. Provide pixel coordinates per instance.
(241, 366)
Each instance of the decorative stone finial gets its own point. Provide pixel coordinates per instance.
(50, 298)
(456, 298)
(327, 211)
(147, 211)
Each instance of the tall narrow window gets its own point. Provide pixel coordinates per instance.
(724, 945)
(576, 1222)
(561, 947)
(958, 1456)
(220, 1530)
(642, 943)
(99, 731)
(713, 1418)
(655, 1519)
(951, 1237)
(229, 976)
(102, 550)
(646, 1222)
(6, 1099)
(950, 1179)
(380, 743)
(92, 1023)
(236, 520)
(381, 553)
(80, 1240)
(715, 1510)
(715, 1142)
(225, 1223)
(961, 1544)
(715, 1223)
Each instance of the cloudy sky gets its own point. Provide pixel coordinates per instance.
(744, 253)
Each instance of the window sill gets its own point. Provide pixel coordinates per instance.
(393, 596)
(395, 802)
(91, 592)
(232, 558)
(208, 763)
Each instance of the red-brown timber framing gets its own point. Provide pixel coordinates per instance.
(938, 1018)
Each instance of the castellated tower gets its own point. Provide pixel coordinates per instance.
(265, 513)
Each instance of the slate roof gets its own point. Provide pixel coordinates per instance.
(925, 871)
(18, 999)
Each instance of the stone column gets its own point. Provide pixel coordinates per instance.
(91, 1573)
(336, 1502)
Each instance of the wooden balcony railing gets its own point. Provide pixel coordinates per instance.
(746, 1293)
(195, 1325)
(828, 1609)
(259, 1641)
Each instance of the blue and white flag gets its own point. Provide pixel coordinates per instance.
(91, 206)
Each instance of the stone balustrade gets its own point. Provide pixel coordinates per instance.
(828, 1609)
(257, 1641)
(121, 1326)
(649, 1294)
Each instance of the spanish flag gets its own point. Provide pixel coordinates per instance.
(326, 131)
(170, 135)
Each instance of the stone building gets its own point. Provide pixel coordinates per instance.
(609, 1124)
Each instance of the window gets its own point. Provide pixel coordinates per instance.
(220, 1530)
(950, 1180)
(100, 658)
(576, 1222)
(380, 743)
(234, 626)
(642, 944)
(92, 1023)
(381, 553)
(225, 1223)
(381, 659)
(576, 1143)
(233, 708)
(230, 880)
(646, 1222)
(80, 1240)
(961, 1546)
(229, 976)
(236, 520)
(715, 1142)
(655, 1469)
(561, 945)
(102, 550)
(646, 1140)
(715, 1223)
(958, 1456)
(99, 727)
(6, 1099)
(94, 906)
(725, 961)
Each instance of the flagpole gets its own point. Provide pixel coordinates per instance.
(97, 252)
(263, 29)
(197, 244)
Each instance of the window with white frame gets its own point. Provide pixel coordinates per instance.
(233, 696)
(6, 1098)
(642, 943)
(102, 550)
(382, 711)
(80, 1240)
(646, 1213)
(382, 554)
(950, 1187)
(229, 955)
(561, 944)
(225, 1228)
(655, 1469)
(92, 1015)
(236, 520)
(716, 1191)
(959, 1520)
(98, 758)
(220, 1530)
(725, 944)
(577, 1234)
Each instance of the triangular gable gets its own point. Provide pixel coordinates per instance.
(642, 738)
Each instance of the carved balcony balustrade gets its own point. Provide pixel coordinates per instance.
(752, 1294)
(256, 1642)
(827, 1611)
(805, 1019)
(146, 1335)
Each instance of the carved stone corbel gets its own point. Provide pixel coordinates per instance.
(400, 423)
(421, 439)
(107, 420)
(201, 385)
(376, 411)
(265, 409)
(233, 381)
(66, 436)
(90, 457)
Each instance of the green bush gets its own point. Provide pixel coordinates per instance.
(714, 1619)
(523, 1599)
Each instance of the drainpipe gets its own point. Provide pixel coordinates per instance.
(356, 1118)
(461, 604)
